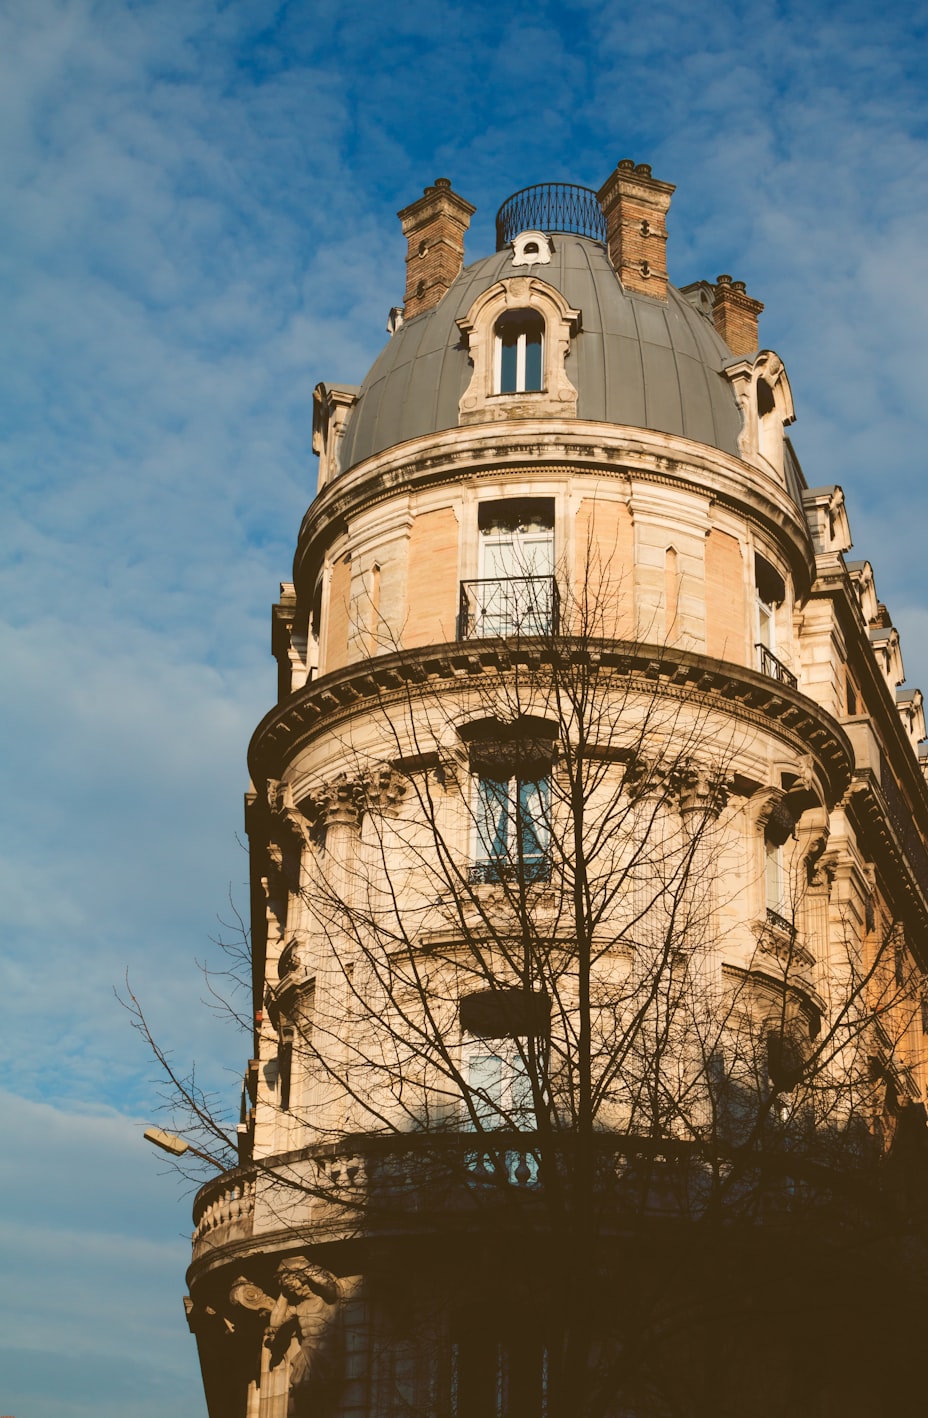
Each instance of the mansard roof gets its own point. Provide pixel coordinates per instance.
(635, 361)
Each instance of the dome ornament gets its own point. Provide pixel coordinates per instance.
(531, 248)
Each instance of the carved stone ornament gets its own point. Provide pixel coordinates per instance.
(247, 1296)
(384, 788)
(480, 403)
(301, 1331)
(284, 811)
(528, 759)
(702, 789)
(341, 801)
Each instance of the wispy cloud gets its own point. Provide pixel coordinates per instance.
(197, 225)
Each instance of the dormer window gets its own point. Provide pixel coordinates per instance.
(518, 352)
(517, 335)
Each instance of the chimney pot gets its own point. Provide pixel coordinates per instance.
(735, 315)
(635, 207)
(434, 228)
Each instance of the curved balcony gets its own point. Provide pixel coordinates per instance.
(390, 1186)
(224, 1210)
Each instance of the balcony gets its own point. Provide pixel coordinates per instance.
(513, 605)
(224, 1210)
(768, 664)
(532, 868)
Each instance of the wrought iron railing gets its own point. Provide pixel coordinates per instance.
(532, 867)
(511, 605)
(550, 206)
(780, 922)
(770, 665)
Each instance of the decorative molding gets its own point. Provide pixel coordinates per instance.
(479, 402)
(742, 693)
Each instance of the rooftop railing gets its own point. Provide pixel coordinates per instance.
(550, 206)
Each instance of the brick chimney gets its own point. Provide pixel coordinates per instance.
(635, 207)
(434, 228)
(734, 315)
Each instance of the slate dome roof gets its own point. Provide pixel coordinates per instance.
(635, 360)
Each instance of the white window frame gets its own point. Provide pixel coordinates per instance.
(766, 620)
(521, 354)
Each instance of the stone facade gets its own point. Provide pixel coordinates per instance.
(582, 727)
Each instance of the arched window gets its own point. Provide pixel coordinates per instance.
(518, 352)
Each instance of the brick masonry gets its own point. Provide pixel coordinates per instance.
(434, 228)
(635, 206)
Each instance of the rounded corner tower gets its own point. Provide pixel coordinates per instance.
(566, 852)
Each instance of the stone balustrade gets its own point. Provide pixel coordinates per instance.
(224, 1211)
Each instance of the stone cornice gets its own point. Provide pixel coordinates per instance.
(909, 875)
(564, 447)
(833, 581)
(376, 684)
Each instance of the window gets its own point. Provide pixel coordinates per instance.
(780, 826)
(512, 820)
(498, 1082)
(771, 593)
(518, 349)
(774, 878)
(515, 593)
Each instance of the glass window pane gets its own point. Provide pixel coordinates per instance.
(493, 820)
(508, 366)
(533, 813)
(533, 361)
(485, 1081)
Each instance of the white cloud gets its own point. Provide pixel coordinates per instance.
(94, 1268)
(197, 225)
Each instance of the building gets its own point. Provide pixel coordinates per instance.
(589, 876)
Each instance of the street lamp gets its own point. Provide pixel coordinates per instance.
(177, 1146)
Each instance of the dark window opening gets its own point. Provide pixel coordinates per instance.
(765, 400)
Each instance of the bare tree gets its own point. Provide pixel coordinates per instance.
(524, 1002)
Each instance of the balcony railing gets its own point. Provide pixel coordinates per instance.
(550, 206)
(536, 867)
(224, 1210)
(513, 605)
(780, 922)
(770, 665)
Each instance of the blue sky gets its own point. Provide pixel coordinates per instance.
(198, 225)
